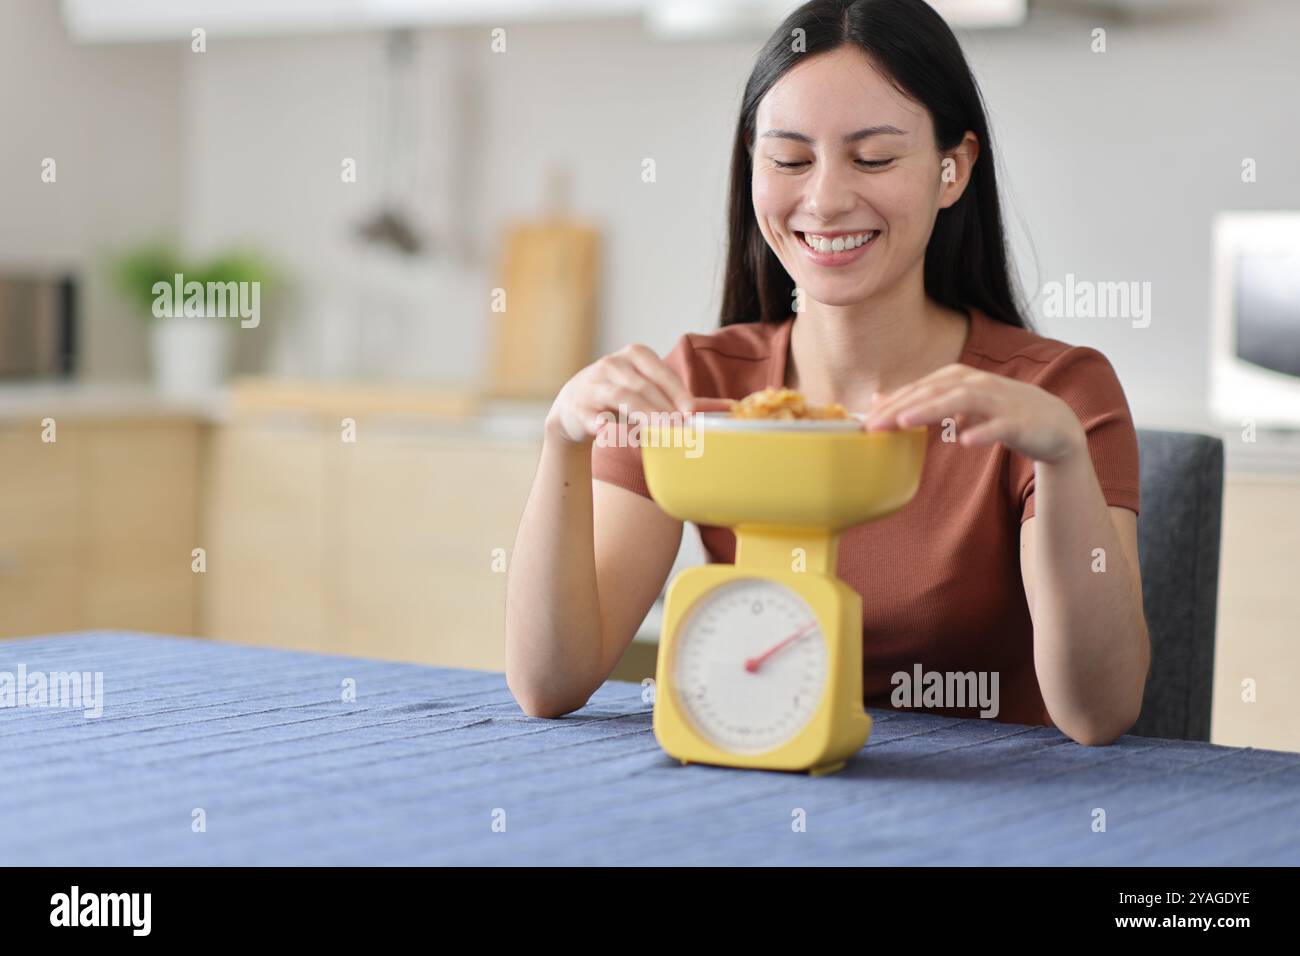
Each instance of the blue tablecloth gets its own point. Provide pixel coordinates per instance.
(262, 748)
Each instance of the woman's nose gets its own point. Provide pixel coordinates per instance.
(829, 192)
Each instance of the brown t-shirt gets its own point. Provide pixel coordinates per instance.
(940, 579)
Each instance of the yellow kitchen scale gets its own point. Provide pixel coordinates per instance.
(760, 662)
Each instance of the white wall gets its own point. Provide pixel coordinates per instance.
(109, 117)
(268, 124)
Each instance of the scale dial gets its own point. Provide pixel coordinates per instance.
(749, 667)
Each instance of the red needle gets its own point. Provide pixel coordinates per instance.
(754, 663)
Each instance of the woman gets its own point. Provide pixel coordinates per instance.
(863, 178)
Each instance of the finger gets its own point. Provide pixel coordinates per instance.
(632, 388)
(894, 401)
(629, 409)
(924, 411)
(886, 416)
(889, 402)
(962, 399)
(624, 402)
(711, 404)
(985, 433)
(656, 370)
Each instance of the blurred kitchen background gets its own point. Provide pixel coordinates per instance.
(384, 167)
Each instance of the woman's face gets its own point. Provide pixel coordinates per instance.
(840, 152)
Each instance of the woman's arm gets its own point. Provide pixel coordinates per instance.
(588, 562)
(590, 557)
(1091, 646)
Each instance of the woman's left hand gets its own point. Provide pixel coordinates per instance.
(985, 408)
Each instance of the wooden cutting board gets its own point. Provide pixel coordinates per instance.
(546, 332)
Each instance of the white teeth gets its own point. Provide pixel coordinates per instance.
(839, 243)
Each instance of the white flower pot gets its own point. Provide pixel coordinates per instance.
(190, 353)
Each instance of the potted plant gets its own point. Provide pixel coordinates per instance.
(194, 308)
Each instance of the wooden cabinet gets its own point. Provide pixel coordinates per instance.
(1258, 633)
(97, 527)
(379, 547)
(421, 514)
(264, 531)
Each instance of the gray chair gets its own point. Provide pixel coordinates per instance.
(1178, 548)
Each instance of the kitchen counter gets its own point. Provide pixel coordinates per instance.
(26, 401)
(393, 408)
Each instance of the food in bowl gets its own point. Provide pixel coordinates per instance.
(784, 404)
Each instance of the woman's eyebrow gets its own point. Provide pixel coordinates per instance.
(861, 134)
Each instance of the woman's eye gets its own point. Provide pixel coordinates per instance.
(866, 163)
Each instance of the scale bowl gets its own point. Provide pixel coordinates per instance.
(827, 474)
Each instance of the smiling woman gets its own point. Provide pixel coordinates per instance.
(867, 267)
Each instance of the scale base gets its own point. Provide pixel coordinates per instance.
(817, 759)
(819, 770)
(826, 768)
(823, 770)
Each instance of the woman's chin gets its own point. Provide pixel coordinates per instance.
(838, 295)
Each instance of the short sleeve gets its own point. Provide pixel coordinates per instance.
(621, 464)
(1085, 380)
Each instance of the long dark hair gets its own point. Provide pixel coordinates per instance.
(966, 259)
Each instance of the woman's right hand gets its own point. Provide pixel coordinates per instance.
(635, 378)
